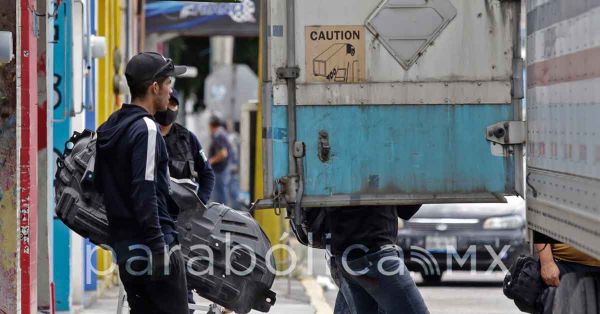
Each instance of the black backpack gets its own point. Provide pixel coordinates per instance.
(524, 285)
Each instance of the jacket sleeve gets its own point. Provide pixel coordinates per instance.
(407, 211)
(98, 173)
(206, 176)
(144, 159)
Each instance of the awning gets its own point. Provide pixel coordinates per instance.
(189, 18)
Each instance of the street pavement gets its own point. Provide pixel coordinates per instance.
(292, 301)
(459, 292)
(466, 293)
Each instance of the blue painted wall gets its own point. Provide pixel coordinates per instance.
(61, 132)
(397, 149)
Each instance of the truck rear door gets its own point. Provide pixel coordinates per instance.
(394, 99)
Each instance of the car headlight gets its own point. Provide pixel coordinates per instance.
(400, 223)
(507, 222)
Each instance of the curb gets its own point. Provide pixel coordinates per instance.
(316, 296)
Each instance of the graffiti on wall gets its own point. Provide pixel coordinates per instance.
(8, 190)
(8, 171)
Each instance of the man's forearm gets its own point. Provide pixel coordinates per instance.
(549, 270)
(220, 156)
(545, 252)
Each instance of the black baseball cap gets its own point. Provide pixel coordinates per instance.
(148, 66)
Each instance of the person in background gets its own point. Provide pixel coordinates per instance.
(233, 189)
(187, 160)
(366, 263)
(556, 261)
(218, 158)
(559, 259)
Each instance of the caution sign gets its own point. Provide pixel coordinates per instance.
(335, 53)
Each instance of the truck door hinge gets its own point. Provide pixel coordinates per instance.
(507, 132)
(518, 88)
(289, 188)
(286, 73)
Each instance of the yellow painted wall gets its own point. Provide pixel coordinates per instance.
(109, 26)
(273, 225)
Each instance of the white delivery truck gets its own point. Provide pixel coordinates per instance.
(432, 111)
(369, 102)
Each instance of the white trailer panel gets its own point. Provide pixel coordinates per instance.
(563, 110)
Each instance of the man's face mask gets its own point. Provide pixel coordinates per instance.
(166, 117)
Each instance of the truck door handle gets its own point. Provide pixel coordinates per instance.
(324, 148)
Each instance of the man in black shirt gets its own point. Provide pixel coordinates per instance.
(366, 263)
(187, 160)
(131, 171)
(219, 154)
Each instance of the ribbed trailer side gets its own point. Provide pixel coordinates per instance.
(563, 110)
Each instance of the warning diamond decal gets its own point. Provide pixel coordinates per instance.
(407, 27)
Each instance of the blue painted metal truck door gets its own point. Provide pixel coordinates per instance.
(405, 121)
(434, 149)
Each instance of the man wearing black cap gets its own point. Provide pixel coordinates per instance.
(132, 172)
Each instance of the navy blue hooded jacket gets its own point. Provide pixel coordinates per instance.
(132, 172)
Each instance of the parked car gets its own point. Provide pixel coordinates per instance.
(472, 237)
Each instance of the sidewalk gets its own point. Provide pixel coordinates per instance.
(296, 301)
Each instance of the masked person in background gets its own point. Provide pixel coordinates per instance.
(186, 157)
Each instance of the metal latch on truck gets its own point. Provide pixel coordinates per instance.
(285, 73)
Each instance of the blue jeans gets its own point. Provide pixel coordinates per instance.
(234, 191)
(220, 192)
(378, 282)
(570, 267)
(341, 307)
(191, 299)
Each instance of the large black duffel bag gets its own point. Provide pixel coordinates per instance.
(208, 234)
(78, 205)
